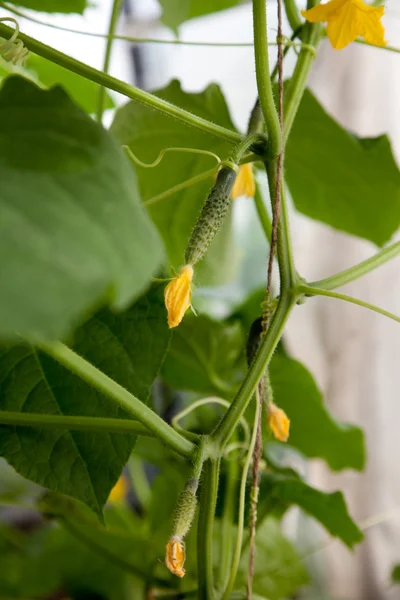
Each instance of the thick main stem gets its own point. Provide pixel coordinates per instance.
(208, 501)
(100, 381)
(116, 8)
(126, 89)
(264, 85)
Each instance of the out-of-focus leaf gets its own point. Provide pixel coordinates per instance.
(73, 233)
(351, 184)
(395, 576)
(205, 356)
(54, 6)
(312, 429)
(128, 347)
(176, 12)
(329, 509)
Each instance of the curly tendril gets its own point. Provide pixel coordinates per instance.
(13, 50)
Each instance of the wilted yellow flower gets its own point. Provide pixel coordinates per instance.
(175, 556)
(348, 19)
(178, 295)
(278, 422)
(119, 490)
(244, 184)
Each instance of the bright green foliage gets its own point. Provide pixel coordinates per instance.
(312, 429)
(129, 348)
(54, 6)
(82, 91)
(205, 356)
(395, 577)
(329, 509)
(176, 12)
(278, 569)
(147, 133)
(72, 227)
(351, 184)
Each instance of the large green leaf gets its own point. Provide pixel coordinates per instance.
(72, 229)
(130, 348)
(329, 509)
(54, 6)
(147, 132)
(349, 183)
(176, 12)
(312, 429)
(278, 571)
(205, 356)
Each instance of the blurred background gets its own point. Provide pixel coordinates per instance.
(353, 354)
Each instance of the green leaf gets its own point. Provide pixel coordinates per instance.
(176, 12)
(278, 571)
(329, 509)
(205, 356)
(395, 576)
(312, 429)
(72, 231)
(130, 349)
(81, 90)
(54, 6)
(147, 132)
(349, 183)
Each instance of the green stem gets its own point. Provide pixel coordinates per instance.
(287, 270)
(116, 8)
(100, 381)
(229, 421)
(226, 538)
(362, 268)
(264, 85)
(263, 215)
(126, 89)
(98, 424)
(313, 291)
(242, 504)
(208, 501)
(297, 83)
(293, 15)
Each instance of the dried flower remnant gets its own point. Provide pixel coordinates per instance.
(175, 556)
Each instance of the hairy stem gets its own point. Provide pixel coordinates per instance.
(314, 291)
(230, 494)
(100, 381)
(297, 83)
(98, 424)
(264, 85)
(293, 15)
(263, 215)
(126, 89)
(101, 101)
(208, 501)
(357, 271)
(242, 504)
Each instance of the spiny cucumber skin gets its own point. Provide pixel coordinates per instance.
(211, 216)
(184, 513)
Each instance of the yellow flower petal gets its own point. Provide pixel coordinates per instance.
(175, 556)
(119, 490)
(278, 422)
(348, 19)
(178, 295)
(244, 184)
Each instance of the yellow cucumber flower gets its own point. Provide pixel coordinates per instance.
(348, 19)
(278, 422)
(175, 556)
(119, 491)
(244, 184)
(178, 295)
